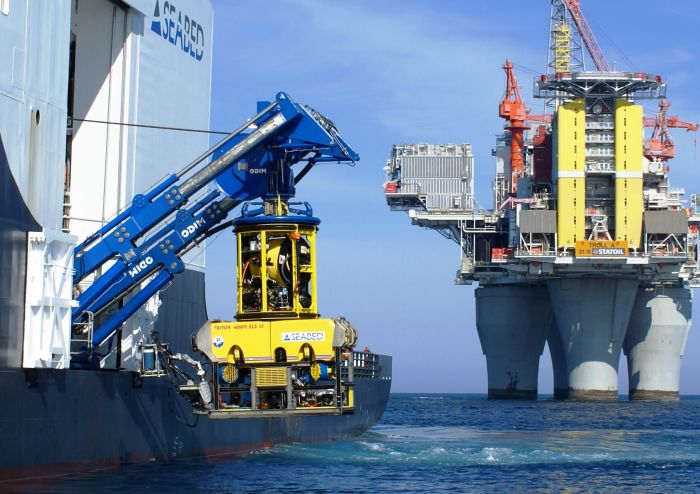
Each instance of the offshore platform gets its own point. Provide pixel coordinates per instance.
(587, 247)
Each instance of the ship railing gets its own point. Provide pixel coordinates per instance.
(534, 250)
(81, 341)
(362, 365)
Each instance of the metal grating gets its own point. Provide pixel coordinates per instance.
(535, 221)
(666, 222)
(270, 377)
(439, 176)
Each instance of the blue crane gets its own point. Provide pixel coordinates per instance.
(146, 241)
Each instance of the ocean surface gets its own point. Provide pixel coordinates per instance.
(455, 443)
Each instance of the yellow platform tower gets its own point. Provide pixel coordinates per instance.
(571, 182)
(629, 199)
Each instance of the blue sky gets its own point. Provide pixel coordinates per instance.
(389, 72)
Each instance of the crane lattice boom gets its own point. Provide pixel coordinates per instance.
(589, 39)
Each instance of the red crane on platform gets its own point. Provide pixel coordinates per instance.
(513, 109)
(589, 39)
(660, 147)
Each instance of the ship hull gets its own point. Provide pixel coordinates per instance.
(56, 422)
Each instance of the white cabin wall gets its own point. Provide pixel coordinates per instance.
(34, 48)
(167, 98)
(35, 81)
(12, 56)
(127, 72)
(97, 189)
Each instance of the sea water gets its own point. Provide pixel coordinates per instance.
(456, 443)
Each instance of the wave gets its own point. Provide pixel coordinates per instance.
(449, 446)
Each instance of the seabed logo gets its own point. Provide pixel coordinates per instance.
(178, 29)
(304, 336)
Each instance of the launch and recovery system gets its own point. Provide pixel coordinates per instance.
(279, 357)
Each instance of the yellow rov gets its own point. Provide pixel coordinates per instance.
(280, 357)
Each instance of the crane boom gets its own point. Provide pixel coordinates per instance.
(544, 118)
(589, 39)
(675, 123)
(660, 146)
(146, 240)
(672, 123)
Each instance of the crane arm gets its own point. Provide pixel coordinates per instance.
(512, 93)
(660, 145)
(672, 123)
(545, 118)
(147, 240)
(589, 39)
(675, 123)
(660, 122)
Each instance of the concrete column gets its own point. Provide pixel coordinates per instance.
(592, 316)
(512, 322)
(655, 341)
(556, 351)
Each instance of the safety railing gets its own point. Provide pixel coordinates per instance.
(364, 365)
